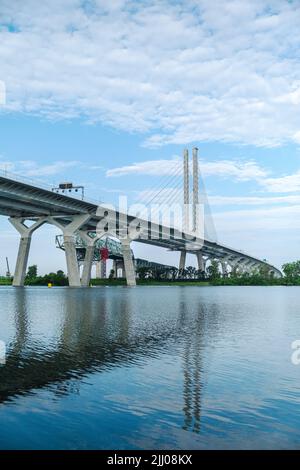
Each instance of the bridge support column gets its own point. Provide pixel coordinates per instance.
(71, 260)
(89, 257)
(115, 268)
(201, 266)
(128, 263)
(122, 270)
(101, 269)
(224, 268)
(88, 260)
(24, 247)
(69, 243)
(87, 266)
(182, 260)
(98, 269)
(204, 260)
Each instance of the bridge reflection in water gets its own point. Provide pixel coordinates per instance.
(55, 345)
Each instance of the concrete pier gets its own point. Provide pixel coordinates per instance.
(24, 247)
(200, 261)
(70, 248)
(182, 260)
(128, 263)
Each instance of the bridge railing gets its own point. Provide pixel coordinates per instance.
(42, 185)
(24, 179)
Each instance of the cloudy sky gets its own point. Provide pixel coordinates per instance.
(108, 93)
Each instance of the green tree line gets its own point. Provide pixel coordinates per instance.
(291, 276)
(56, 279)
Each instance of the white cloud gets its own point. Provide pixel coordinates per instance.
(292, 97)
(6, 166)
(96, 167)
(118, 190)
(296, 137)
(149, 167)
(241, 171)
(30, 168)
(176, 194)
(236, 170)
(282, 184)
(185, 71)
(269, 232)
(2, 93)
(258, 221)
(252, 200)
(52, 169)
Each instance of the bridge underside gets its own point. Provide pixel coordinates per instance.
(228, 259)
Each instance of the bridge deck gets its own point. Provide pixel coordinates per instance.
(20, 199)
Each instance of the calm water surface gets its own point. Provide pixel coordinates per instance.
(150, 367)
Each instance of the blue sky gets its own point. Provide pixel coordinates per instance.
(107, 94)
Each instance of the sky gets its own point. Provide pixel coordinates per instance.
(108, 94)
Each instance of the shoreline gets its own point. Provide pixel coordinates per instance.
(189, 282)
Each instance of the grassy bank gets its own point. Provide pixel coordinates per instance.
(174, 277)
(235, 281)
(149, 282)
(111, 282)
(254, 280)
(4, 281)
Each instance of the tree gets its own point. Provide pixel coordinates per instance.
(200, 275)
(174, 273)
(181, 273)
(56, 279)
(158, 273)
(292, 270)
(32, 272)
(111, 274)
(191, 272)
(213, 270)
(264, 271)
(142, 272)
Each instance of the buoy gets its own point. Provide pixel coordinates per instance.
(49, 284)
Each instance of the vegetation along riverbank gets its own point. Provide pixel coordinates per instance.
(172, 276)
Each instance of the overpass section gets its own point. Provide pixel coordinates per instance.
(29, 206)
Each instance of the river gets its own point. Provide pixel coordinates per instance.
(149, 368)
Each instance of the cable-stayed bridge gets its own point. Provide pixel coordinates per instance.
(175, 216)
